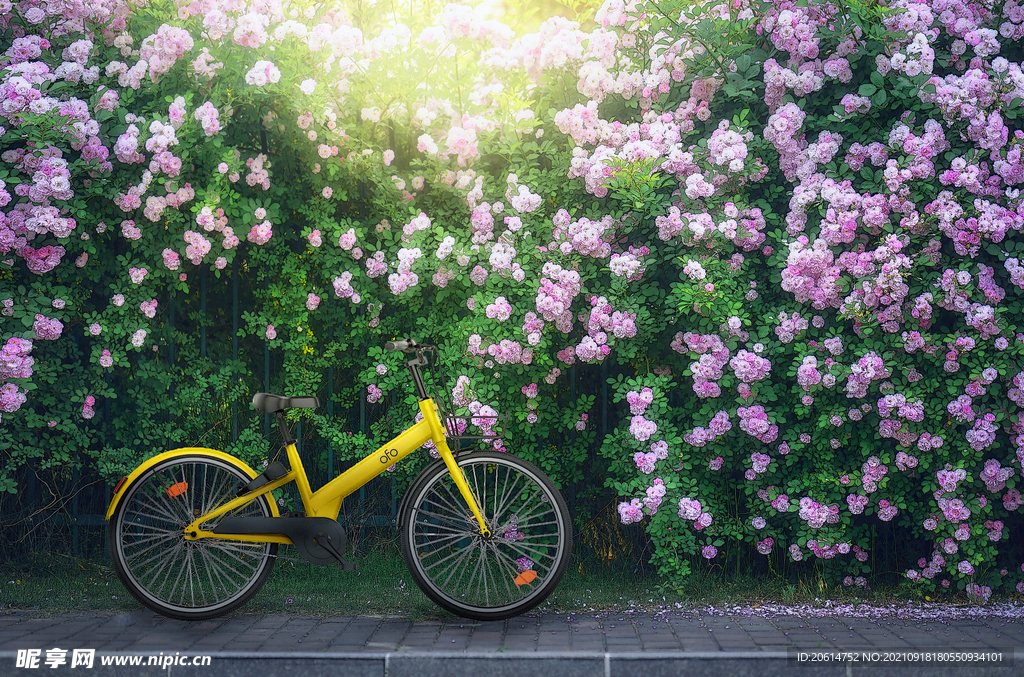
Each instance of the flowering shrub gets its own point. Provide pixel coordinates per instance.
(875, 348)
(791, 234)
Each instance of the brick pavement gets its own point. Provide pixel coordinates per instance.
(618, 639)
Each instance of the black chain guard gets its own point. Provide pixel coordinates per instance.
(307, 533)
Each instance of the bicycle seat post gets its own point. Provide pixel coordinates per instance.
(282, 423)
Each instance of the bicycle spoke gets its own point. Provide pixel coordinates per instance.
(160, 513)
(497, 574)
(535, 556)
(177, 579)
(189, 568)
(425, 541)
(189, 496)
(442, 561)
(226, 566)
(472, 577)
(481, 500)
(220, 491)
(151, 542)
(529, 507)
(240, 547)
(177, 503)
(537, 525)
(454, 568)
(525, 487)
(445, 518)
(508, 570)
(484, 569)
(137, 525)
(160, 555)
(456, 503)
(209, 574)
(506, 490)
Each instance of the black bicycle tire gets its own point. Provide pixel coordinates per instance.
(127, 580)
(435, 471)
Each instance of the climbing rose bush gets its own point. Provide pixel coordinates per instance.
(788, 234)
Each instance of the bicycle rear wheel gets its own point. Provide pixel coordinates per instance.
(495, 577)
(188, 580)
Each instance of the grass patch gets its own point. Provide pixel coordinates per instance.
(595, 588)
(382, 586)
(55, 583)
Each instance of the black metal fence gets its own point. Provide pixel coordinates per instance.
(66, 512)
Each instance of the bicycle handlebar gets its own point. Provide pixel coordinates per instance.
(405, 346)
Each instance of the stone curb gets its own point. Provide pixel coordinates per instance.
(506, 664)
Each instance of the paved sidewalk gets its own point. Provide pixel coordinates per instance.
(591, 644)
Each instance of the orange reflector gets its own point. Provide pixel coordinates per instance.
(526, 577)
(178, 489)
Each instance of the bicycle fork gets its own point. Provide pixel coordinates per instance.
(430, 414)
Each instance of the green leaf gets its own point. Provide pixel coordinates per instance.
(879, 98)
(867, 89)
(876, 79)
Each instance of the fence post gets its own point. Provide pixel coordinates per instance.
(171, 349)
(362, 428)
(394, 502)
(266, 371)
(604, 398)
(106, 402)
(75, 478)
(234, 341)
(202, 312)
(330, 412)
(106, 430)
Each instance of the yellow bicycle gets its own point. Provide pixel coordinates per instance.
(193, 533)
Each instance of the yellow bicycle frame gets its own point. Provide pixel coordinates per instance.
(326, 501)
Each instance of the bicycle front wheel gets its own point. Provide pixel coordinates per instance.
(188, 580)
(498, 576)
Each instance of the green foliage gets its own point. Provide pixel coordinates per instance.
(181, 384)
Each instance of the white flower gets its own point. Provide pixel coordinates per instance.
(694, 270)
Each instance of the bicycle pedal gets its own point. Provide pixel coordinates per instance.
(347, 566)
